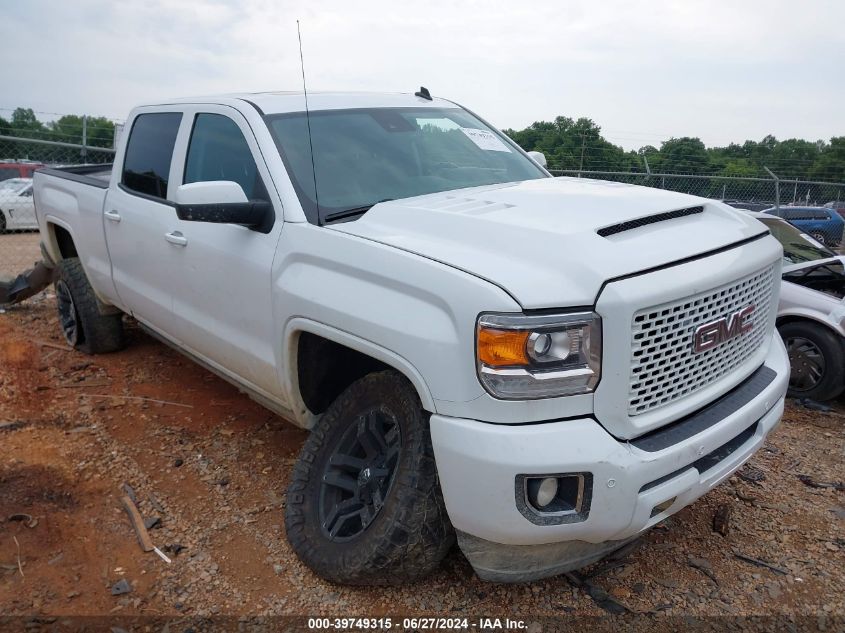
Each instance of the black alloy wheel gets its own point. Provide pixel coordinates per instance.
(359, 475)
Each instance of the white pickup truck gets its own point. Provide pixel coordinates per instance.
(543, 367)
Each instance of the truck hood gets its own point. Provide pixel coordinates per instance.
(538, 239)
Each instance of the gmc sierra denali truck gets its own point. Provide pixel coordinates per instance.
(542, 368)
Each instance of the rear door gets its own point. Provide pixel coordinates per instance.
(222, 292)
(139, 218)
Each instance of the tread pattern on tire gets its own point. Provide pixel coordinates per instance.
(412, 533)
(100, 334)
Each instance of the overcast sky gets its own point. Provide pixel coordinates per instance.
(723, 71)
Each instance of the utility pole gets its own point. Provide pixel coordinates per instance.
(777, 187)
(583, 142)
(84, 151)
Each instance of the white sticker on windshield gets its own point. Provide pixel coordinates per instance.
(485, 140)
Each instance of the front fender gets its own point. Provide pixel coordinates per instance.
(412, 313)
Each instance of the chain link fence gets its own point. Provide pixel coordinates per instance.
(19, 158)
(755, 194)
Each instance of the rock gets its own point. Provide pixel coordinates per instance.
(775, 592)
(701, 563)
(177, 463)
(121, 587)
(278, 569)
(152, 522)
(638, 588)
(669, 583)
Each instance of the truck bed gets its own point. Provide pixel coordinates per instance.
(94, 175)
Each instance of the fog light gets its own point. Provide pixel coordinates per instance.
(554, 499)
(546, 492)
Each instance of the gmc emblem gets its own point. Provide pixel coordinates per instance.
(715, 333)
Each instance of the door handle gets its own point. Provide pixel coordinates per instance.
(176, 237)
(113, 215)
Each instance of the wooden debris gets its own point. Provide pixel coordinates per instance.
(761, 563)
(119, 397)
(137, 521)
(599, 595)
(812, 483)
(61, 348)
(703, 565)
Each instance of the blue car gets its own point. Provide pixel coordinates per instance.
(823, 224)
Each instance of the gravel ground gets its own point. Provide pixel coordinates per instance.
(212, 467)
(18, 251)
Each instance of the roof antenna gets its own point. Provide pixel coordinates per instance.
(308, 121)
(424, 93)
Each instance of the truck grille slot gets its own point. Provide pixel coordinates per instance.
(613, 229)
(664, 367)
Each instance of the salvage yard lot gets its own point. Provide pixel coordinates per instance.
(18, 251)
(213, 466)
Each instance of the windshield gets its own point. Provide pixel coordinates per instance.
(797, 248)
(366, 156)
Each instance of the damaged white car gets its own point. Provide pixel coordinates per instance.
(811, 312)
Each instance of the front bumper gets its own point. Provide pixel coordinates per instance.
(478, 463)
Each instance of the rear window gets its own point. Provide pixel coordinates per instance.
(146, 168)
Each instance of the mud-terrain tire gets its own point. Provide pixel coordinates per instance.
(80, 320)
(409, 534)
(2, 222)
(817, 358)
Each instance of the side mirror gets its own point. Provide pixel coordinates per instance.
(538, 158)
(219, 201)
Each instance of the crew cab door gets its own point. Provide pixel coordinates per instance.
(221, 283)
(138, 217)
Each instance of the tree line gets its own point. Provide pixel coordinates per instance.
(99, 132)
(579, 144)
(567, 143)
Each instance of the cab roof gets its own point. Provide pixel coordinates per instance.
(284, 102)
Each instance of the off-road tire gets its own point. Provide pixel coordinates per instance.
(832, 348)
(2, 222)
(411, 533)
(97, 333)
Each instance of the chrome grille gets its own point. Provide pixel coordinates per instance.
(663, 365)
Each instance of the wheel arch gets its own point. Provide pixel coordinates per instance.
(60, 242)
(360, 355)
(808, 317)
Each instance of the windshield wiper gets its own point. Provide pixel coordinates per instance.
(349, 213)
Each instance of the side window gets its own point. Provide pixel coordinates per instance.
(149, 152)
(219, 151)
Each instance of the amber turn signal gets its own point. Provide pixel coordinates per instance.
(502, 348)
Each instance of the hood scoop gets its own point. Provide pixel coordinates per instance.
(613, 229)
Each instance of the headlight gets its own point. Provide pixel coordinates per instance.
(538, 356)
